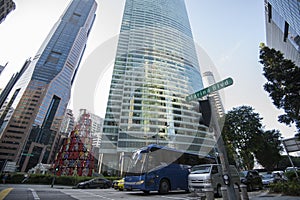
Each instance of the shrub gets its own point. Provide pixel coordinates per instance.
(291, 175)
(46, 179)
(288, 188)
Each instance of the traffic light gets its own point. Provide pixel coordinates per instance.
(226, 179)
(205, 110)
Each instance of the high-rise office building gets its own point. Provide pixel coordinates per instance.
(209, 79)
(283, 27)
(6, 6)
(96, 121)
(68, 123)
(2, 68)
(36, 105)
(155, 68)
(11, 83)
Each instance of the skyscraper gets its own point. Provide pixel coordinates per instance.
(209, 79)
(36, 105)
(155, 68)
(2, 68)
(283, 27)
(11, 83)
(96, 121)
(6, 6)
(68, 123)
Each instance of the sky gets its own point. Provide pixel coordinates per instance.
(229, 32)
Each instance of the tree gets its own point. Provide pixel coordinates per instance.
(283, 84)
(268, 153)
(241, 129)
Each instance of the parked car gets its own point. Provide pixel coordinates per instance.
(114, 183)
(95, 183)
(267, 179)
(210, 176)
(279, 176)
(289, 169)
(119, 184)
(252, 179)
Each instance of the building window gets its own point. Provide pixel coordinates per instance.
(286, 31)
(269, 12)
(75, 18)
(53, 57)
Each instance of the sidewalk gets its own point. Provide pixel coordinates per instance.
(273, 196)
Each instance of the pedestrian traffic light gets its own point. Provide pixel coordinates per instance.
(226, 179)
(205, 110)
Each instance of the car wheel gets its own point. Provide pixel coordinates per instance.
(146, 192)
(86, 186)
(164, 186)
(250, 188)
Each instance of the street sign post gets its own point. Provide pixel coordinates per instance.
(215, 87)
(217, 131)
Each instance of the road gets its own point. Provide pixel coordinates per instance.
(45, 192)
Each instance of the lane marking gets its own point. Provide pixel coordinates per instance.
(34, 194)
(78, 194)
(5, 192)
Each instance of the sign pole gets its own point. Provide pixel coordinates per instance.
(285, 148)
(222, 152)
(217, 131)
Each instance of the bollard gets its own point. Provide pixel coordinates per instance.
(244, 192)
(237, 192)
(209, 193)
(224, 193)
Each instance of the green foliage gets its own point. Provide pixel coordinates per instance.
(283, 84)
(284, 162)
(268, 153)
(243, 135)
(47, 179)
(291, 175)
(241, 127)
(288, 188)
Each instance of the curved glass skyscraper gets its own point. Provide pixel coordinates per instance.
(155, 68)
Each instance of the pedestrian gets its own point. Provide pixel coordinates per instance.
(4, 178)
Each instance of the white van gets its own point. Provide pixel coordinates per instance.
(210, 176)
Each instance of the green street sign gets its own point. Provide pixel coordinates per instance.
(27, 154)
(217, 86)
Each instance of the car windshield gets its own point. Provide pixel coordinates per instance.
(243, 174)
(267, 176)
(137, 163)
(200, 169)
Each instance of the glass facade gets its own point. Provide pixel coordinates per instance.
(155, 68)
(44, 88)
(283, 27)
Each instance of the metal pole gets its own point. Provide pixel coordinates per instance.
(222, 152)
(244, 192)
(290, 160)
(209, 193)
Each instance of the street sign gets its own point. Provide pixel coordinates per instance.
(217, 86)
(292, 144)
(27, 154)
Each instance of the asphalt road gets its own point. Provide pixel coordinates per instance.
(45, 192)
